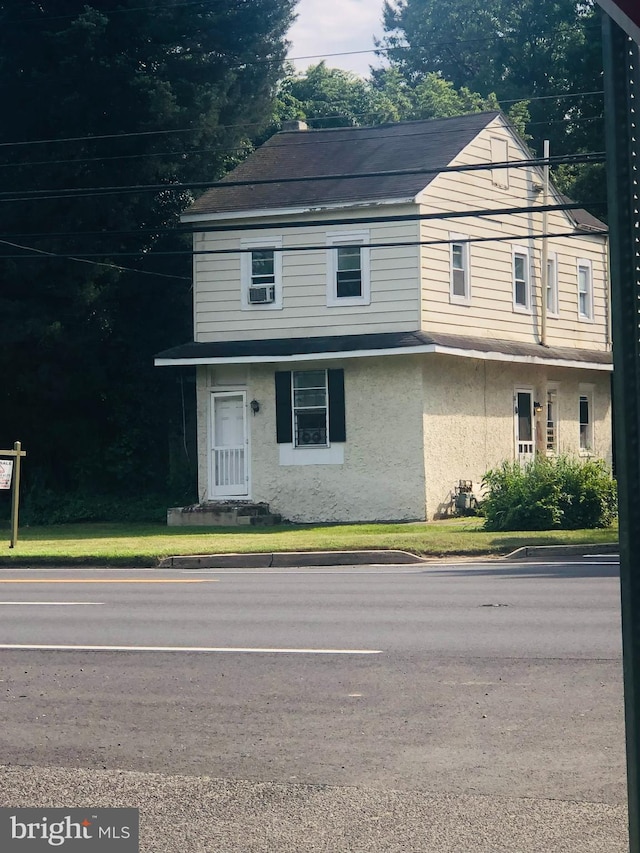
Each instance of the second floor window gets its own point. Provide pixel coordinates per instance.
(585, 290)
(521, 296)
(262, 267)
(459, 286)
(348, 271)
(261, 274)
(348, 279)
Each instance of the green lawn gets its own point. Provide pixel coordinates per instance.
(145, 544)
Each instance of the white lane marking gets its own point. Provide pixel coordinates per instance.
(301, 571)
(40, 647)
(55, 603)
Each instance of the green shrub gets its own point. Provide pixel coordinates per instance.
(44, 506)
(549, 493)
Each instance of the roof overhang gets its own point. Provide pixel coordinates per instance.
(298, 350)
(264, 213)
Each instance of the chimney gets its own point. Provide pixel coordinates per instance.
(295, 124)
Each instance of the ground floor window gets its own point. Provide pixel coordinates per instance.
(310, 407)
(310, 424)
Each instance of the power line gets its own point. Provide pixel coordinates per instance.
(408, 217)
(235, 126)
(85, 260)
(296, 249)
(93, 192)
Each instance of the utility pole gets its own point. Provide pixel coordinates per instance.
(622, 96)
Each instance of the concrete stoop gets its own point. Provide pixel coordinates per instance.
(222, 514)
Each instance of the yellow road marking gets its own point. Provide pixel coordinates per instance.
(105, 580)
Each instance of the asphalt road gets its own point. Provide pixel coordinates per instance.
(487, 680)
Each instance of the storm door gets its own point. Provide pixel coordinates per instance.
(524, 426)
(228, 467)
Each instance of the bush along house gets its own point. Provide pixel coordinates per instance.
(382, 313)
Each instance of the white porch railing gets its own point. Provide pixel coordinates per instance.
(230, 469)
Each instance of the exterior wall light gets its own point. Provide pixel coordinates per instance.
(255, 406)
(537, 408)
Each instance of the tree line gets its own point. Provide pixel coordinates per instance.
(114, 109)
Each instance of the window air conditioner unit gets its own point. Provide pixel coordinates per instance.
(262, 295)
(311, 437)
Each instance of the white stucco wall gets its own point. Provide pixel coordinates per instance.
(416, 425)
(469, 417)
(382, 477)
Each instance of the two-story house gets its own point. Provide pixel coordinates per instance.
(382, 312)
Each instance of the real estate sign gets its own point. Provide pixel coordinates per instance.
(626, 13)
(6, 473)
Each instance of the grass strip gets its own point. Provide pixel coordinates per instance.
(146, 544)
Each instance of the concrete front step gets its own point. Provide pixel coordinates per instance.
(222, 514)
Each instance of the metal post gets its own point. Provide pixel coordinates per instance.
(622, 95)
(15, 497)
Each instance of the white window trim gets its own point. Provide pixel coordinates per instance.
(521, 250)
(327, 443)
(466, 265)
(499, 177)
(245, 273)
(552, 285)
(348, 239)
(585, 263)
(524, 389)
(291, 455)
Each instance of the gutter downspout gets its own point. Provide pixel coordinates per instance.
(544, 278)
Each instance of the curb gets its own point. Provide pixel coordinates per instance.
(284, 559)
(542, 551)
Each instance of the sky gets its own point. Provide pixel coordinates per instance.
(336, 26)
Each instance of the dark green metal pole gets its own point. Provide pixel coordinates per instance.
(622, 119)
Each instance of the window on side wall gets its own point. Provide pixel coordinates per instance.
(500, 154)
(521, 280)
(310, 408)
(460, 284)
(585, 290)
(348, 273)
(586, 423)
(261, 274)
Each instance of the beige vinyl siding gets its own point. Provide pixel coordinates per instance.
(394, 274)
(490, 312)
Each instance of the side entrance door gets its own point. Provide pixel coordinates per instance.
(523, 414)
(229, 458)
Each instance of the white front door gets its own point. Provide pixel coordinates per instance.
(524, 425)
(228, 465)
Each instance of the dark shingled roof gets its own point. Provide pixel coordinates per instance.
(431, 144)
(279, 347)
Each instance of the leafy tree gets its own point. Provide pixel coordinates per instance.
(141, 94)
(330, 97)
(546, 52)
